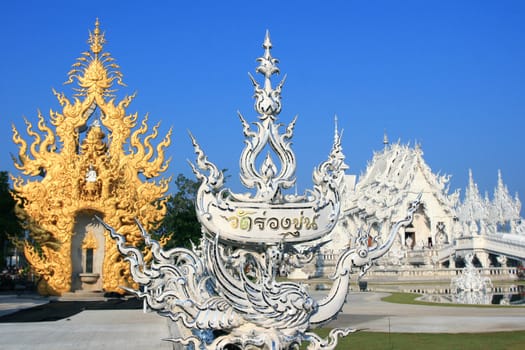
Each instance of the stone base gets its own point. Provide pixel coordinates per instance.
(81, 295)
(89, 281)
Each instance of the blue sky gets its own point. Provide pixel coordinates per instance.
(447, 74)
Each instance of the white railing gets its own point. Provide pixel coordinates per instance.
(402, 274)
(511, 246)
(444, 253)
(326, 264)
(499, 244)
(438, 289)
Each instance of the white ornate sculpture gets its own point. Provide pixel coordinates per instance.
(224, 294)
(470, 287)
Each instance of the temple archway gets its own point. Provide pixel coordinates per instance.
(87, 253)
(421, 228)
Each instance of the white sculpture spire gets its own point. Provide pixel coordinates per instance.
(337, 157)
(474, 208)
(267, 165)
(505, 207)
(482, 215)
(385, 139)
(518, 202)
(267, 99)
(336, 127)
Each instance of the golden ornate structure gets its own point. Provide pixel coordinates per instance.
(90, 241)
(96, 162)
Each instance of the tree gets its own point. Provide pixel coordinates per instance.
(181, 218)
(9, 225)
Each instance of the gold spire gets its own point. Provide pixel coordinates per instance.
(96, 39)
(95, 71)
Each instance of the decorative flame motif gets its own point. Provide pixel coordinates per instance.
(86, 169)
(224, 294)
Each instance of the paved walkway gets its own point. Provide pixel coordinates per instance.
(89, 329)
(132, 329)
(366, 311)
(12, 303)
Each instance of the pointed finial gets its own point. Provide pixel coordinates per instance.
(385, 139)
(267, 44)
(336, 132)
(96, 39)
(267, 64)
(267, 99)
(470, 178)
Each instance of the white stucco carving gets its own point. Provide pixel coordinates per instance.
(224, 294)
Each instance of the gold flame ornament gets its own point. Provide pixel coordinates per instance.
(92, 160)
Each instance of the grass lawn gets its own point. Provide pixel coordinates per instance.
(409, 298)
(430, 341)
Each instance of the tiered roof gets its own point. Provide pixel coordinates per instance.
(390, 178)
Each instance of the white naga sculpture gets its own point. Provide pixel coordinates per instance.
(224, 294)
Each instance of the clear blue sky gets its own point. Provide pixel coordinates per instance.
(447, 74)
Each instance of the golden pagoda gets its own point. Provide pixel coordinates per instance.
(96, 162)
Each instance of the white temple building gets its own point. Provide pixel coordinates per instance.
(444, 230)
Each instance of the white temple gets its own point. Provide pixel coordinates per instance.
(444, 230)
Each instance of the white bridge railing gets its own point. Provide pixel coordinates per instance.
(441, 273)
(512, 246)
(326, 264)
(509, 245)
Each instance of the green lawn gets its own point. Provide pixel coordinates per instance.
(402, 298)
(430, 341)
(409, 298)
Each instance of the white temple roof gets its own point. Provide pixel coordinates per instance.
(395, 173)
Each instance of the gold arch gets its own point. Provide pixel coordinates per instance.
(83, 167)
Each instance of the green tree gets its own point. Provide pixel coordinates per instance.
(9, 225)
(181, 218)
